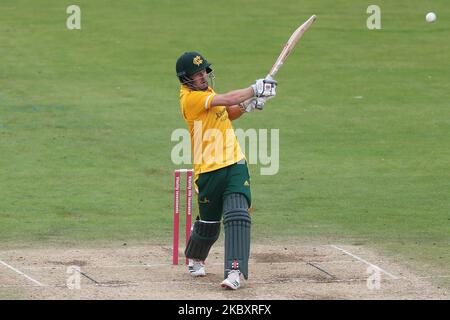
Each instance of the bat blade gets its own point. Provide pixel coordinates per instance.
(290, 45)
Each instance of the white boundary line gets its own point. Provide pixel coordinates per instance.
(21, 273)
(366, 262)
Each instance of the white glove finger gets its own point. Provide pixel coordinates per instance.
(251, 105)
(260, 103)
(248, 105)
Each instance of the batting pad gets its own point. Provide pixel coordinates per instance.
(203, 236)
(237, 223)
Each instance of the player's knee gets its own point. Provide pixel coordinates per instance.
(235, 206)
(203, 236)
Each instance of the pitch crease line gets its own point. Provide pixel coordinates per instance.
(21, 273)
(366, 262)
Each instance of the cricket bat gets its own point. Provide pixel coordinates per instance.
(290, 45)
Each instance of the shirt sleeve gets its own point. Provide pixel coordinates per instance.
(196, 103)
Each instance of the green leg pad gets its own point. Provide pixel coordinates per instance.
(203, 236)
(237, 222)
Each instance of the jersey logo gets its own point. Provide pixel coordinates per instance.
(246, 183)
(197, 60)
(205, 200)
(222, 115)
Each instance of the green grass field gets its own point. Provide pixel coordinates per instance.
(86, 118)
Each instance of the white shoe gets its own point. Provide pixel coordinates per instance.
(196, 268)
(233, 281)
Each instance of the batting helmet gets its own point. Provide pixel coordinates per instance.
(190, 63)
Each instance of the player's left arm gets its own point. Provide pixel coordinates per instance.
(235, 112)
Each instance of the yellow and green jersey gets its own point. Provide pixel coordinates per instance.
(213, 142)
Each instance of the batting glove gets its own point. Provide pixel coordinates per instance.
(264, 87)
(252, 104)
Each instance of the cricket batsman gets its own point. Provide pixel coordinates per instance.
(221, 178)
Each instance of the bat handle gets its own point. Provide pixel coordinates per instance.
(271, 74)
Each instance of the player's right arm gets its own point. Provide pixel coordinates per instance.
(261, 88)
(196, 102)
(232, 98)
